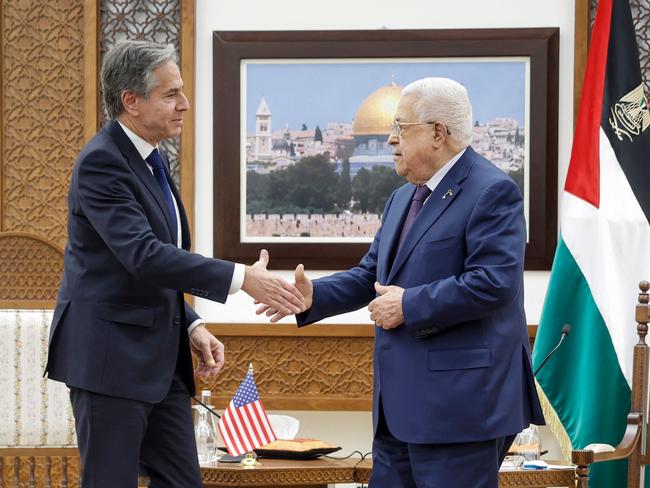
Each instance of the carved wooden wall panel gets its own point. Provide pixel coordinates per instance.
(42, 100)
(49, 59)
(298, 372)
(30, 268)
(321, 367)
(41, 133)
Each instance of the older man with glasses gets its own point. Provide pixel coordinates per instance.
(443, 281)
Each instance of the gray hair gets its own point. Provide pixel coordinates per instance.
(443, 100)
(129, 66)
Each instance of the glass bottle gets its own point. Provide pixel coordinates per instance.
(206, 444)
(206, 397)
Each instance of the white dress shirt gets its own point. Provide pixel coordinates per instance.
(435, 180)
(145, 149)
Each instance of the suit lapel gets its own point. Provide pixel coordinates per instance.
(439, 200)
(391, 229)
(139, 167)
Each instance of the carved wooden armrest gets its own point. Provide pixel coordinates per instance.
(631, 438)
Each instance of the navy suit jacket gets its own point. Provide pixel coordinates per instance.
(458, 369)
(120, 321)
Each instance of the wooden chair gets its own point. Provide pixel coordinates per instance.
(633, 446)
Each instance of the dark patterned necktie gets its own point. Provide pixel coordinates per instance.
(156, 163)
(420, 196)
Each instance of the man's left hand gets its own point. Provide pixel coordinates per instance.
(386, 309)
(208, 351)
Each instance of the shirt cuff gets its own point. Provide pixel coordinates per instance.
(194, 325)
(237, 278)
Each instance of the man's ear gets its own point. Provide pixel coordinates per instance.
(438, 135)
(130, 102)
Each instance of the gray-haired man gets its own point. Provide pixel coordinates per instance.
(122, 334)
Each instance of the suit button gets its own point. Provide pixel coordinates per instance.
(177, 320)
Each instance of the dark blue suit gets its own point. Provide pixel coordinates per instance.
(119, 326)
(458, 369)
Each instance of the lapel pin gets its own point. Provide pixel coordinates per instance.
(448, 194)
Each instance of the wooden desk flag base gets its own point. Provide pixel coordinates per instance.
(249, 462)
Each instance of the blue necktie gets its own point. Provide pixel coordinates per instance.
(419, 197)
(156, 163)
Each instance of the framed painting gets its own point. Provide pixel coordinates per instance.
(301, 122)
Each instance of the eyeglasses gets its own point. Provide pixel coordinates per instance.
(396, 126)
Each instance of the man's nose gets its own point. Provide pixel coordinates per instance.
(392, 138)
(183, 104)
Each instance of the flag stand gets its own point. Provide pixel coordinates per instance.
(249, 462)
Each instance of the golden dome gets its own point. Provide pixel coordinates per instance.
(377, 112)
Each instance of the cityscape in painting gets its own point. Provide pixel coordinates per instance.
(329, 177)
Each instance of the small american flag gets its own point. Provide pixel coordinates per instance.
(244, 425)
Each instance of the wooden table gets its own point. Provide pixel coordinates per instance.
(520, 478)
(318, 473)
(530, 478)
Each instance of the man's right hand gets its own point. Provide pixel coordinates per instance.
(271, 289)
(303, 284)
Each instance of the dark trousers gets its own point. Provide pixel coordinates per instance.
(118, 438)
(398, 464)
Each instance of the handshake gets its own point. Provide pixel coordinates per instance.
(276, 297)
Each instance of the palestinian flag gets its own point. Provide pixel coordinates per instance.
(603, 252)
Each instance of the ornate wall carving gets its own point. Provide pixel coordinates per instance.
(42, 127)
(151, 20)
(30, 268)
(42, 100)
(299, 372)
(641, 16)
(41, 132)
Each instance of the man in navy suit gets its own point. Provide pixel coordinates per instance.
(444, 283)
(122, 335)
